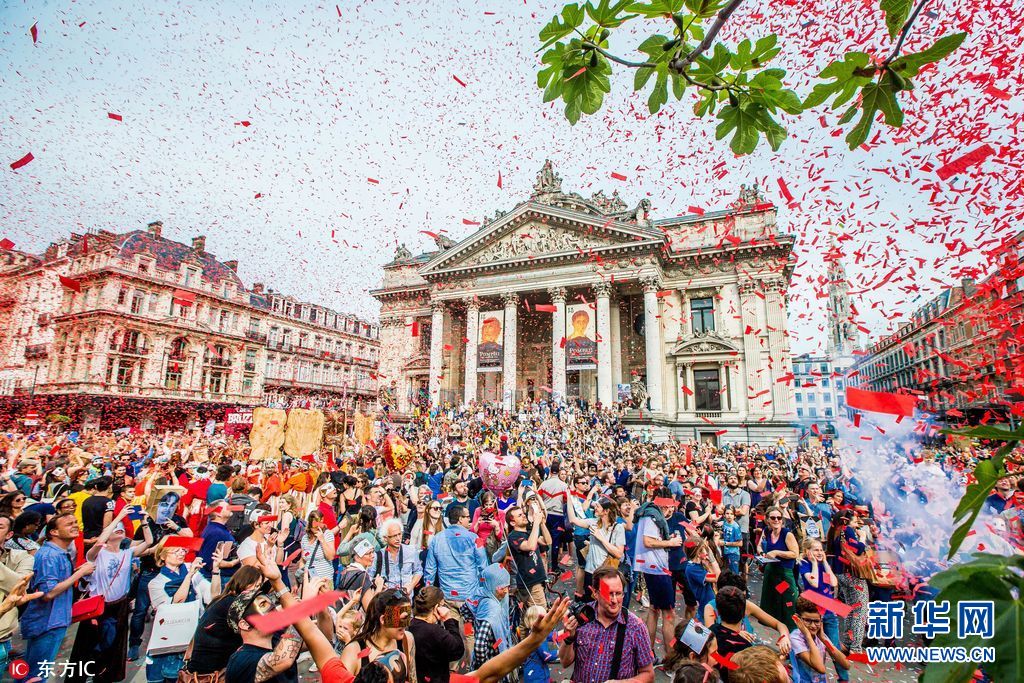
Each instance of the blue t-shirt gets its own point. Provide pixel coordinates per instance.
(214, 534)
(730, 534)
(695, 575)
(823, 587)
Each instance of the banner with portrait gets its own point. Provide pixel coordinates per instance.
(490, 341)
(580, 337)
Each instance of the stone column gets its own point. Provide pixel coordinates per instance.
(616, 321)
(691, 399)
(509, 362)
(472, 321)
(557, 347)
(436, 348)
(652, 337)
(605, 395)
(778, 346)
(751, 352)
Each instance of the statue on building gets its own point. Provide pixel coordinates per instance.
(443, 242)
(548, 182)
(641, 215)
(637, 392)
(402, 252)
(750, 196)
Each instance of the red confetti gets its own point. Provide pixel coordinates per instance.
(71, 283)
(459, 80)
(724, 662)
(961, 164)
(115, 117)
(781, 587)
(785, 190)
(6, 244)
(880, 402)
(34, 32)
(15, 165)
(373, 180)
(997, 93)
(618, 176)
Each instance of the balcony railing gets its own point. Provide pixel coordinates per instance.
(37, 351)
(97, 388)
(220, 362)
(256, 336)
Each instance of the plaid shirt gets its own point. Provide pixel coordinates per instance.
(595, 647)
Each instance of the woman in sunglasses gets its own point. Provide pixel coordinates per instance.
(779, 551)
(426, 527)
(384, 638)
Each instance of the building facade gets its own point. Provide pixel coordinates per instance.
(819, 392)
(135, 329)
(568, 298)
(962, 351)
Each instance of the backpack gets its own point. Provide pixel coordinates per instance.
(240, 518)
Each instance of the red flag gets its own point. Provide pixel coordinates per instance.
(71, 283)
(880, 402)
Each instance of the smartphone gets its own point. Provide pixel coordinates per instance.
(527, 483)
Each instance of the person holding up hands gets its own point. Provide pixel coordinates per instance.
(45, 621)
(105, 640)
(810, 644)
(177, 582)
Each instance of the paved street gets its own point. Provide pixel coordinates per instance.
(861, 673)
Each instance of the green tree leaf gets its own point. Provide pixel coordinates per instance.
(910, 65)
(847, 80)
(896, 13)
(656, 8)
(572, 17)
(550, 78)
(985, 578)
(742, 122)
(606, 15)
(705, 8)
(876, 97)
(986, 474)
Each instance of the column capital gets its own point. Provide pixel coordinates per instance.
(557, 294)
(472, 303)
(602, 289)
(650, 283)
(749, 287)
(510, 299)
(438, 306)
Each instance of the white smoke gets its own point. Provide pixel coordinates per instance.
(912, 496)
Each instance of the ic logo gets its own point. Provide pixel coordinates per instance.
(18, 669)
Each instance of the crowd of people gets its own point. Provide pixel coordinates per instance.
(606, 555)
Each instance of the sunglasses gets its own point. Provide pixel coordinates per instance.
(774, 517)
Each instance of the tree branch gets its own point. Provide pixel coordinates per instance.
(618, 60)
(904, 32)
(679, 66)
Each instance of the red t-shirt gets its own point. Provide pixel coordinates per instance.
(335, 672)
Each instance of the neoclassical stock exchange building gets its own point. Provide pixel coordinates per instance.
(569, 298)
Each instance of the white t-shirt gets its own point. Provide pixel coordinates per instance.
(247, 548)
(647, 560)
(113, 575)
(597, 554)
(551, 491)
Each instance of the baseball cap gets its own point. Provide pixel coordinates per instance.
(363, 548)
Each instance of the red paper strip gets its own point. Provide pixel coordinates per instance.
(116, 117)
(666, 502)
(724, 662)
(997, 93)
(459, 80)
(715, 496)
(281, 619)
(15, 165)
(545, 308)
(785, 190)
(841, 609)
(880, 402)
(34, 32)
(781, 587)
(961, 164)
(6, 244)
(695, 210)
(188, 542)
(618, 176)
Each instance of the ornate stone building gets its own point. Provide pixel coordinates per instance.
(145, 331)
(570, 298)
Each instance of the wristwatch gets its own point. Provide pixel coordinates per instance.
(280, 594)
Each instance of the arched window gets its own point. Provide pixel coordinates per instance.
(175, 372)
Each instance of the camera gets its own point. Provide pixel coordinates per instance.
(583, 612)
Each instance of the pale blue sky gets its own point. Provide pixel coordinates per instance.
(370, 94)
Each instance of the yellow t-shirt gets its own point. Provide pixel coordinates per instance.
(79, 498)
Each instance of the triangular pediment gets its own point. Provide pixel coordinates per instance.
(710, 344)
(534, 232)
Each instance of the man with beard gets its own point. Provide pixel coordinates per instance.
(739, 499)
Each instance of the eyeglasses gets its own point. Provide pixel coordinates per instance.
(810, 621)
(772, 518)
